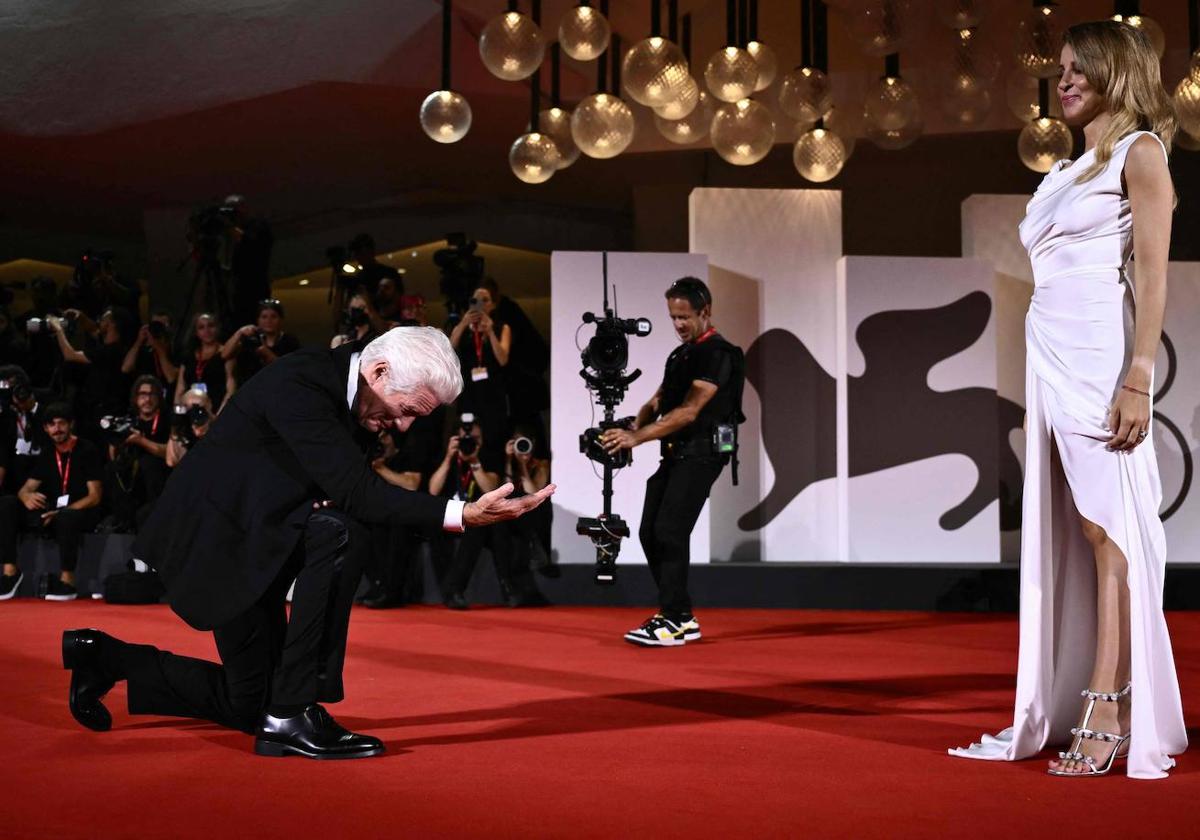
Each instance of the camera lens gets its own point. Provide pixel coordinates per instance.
(523, 446)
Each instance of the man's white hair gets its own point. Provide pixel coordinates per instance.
(417, 357)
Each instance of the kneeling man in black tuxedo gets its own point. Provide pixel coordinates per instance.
(280, 490)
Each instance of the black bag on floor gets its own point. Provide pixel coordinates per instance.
(133, 588)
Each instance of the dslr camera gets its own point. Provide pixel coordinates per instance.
(467, 444)
(116, 427)
(185, 420)
(254, 340)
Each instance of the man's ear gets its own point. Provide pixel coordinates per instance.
(378, 371)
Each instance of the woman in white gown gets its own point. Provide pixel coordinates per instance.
(1093, 552)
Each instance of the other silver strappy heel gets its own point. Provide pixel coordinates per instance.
(1085, 732)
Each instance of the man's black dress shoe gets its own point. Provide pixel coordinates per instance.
(314, 734)
(456, 601)
(89, 681)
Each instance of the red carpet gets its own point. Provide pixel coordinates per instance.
(522, 724)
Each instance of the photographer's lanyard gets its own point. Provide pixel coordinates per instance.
(154, 425)
(64, 468)
(706, 336)
(201, 364)
(466, 481)
(478, 336)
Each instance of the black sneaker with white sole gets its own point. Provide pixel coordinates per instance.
(9, 584)
(58, 590)
(657, 631)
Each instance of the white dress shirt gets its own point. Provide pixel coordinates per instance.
(453, 520)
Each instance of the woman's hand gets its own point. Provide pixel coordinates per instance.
(1128, 420)
(486, 324)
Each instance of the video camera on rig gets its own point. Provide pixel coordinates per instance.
(462, 272)
(604, 362)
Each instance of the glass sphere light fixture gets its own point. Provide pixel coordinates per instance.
(1154, 32)
(847, 124)
(534, 158)
(446, 116)
(1187, 105)
(1044, 141)
(694, 126)
(891, 104)
(819, 155)
(961, 14)
(583, 33)
(602, 126)
(655, 72)
(882, 27)
(731, 74)
(512, 46)
(555, 123)
(805, 94)
(894, 139)
(767, 61)
(683, 104)
(743, 132)
(1039, 41)
(1021, 91)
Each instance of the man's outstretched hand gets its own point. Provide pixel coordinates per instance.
(496, 506)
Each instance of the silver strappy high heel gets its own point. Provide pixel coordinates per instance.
(1085, 732)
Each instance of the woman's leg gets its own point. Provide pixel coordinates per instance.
(1111, 670)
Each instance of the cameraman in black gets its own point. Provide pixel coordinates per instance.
(691, 413)
(138, 470)
(22, 437)
(151, 351)
(191, 422)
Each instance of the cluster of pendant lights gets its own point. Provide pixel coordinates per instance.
(656, 72)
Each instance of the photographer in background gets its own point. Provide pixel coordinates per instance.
(483, 345)
(691, 413)
(467, 471)
(61, 496)
(250, 261)
(204, 364)
(22, 437)
(370, 270)
(190, 423)
(529, 473)
(137, 451)
(151, 354)
(257, 345)
(45, 360)
(13, 350)
(357, 322)
(95, 286)
(98, 365)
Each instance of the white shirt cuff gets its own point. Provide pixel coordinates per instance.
(454, 516)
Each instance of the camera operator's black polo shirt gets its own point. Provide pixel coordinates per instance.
(157, 428)
(707, 359)
(79, 466)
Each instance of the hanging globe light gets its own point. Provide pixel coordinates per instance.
(602, 126)
(891, 104)
(683, 104)
(961, 14)
(654, 72)
(1043, 142)
(446, 116)
(534, 158)
(555, 123)
(966, 109)
(583, 33)
(731, 74)
(882, 27)
(1194, 67)
(847, 124)
(1187, 105)
(965, 96)
(805, 94)
(819, 155)
(1039, 41)
(767, 61)
(895, 138)
(691, 128)
(1021, 91)
(512, 46)
(743, 132)
(1154, 32)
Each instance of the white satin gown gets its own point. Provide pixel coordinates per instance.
(1079, 335)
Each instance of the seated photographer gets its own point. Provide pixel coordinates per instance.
(527, 466)
(137, 450)
(204, 364)
(151, 354)
(61, 497)
(483, 345)
(257, 345)
(467, 471)
(22, 437)
(191, 422)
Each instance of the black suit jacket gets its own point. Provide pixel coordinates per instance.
(236, 507)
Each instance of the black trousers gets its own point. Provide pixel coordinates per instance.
(68, 527)
(267, 658)
(675, 495)
(498, 539)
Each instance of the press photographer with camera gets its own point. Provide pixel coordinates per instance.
(95, 286)
(61, 496)
(189, 424)
(104, 386)
(694, 414)
(204, 364)
(137, 450)
(468, 471)
(250, 256)
(22, 437)
(151, 354)
(529, 471)
(257, 345)
(483, 345)
(359, 322)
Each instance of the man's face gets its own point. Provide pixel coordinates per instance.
(379, 410)
(58, 429)
(146, 399)
(270, 321)
(688, 323)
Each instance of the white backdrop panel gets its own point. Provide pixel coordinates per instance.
(917, 435)
(575, 287)
(773, 256)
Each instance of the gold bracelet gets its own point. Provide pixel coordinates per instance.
(1135, 390)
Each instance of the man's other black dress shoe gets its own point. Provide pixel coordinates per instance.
(313, 734)
(89, 680)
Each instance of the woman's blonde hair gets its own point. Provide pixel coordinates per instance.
(1123, 68)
